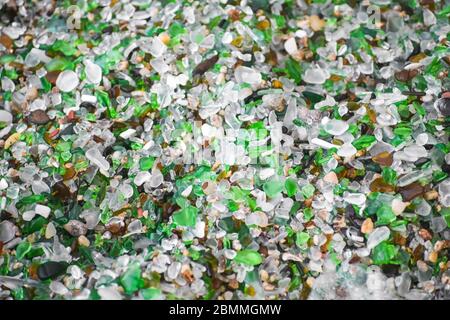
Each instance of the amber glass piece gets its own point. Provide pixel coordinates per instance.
(378, 185)
(6, 41)
(405, 75)
(263, 25)
(70, 173)
(384, 158)
(52, 76)
(411, 191)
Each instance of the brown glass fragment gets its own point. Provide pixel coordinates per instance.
(38, 117)
(51, 76)
(271, 58)
(411, 191)
(205, 65)
(234, 14)
(384, 158)
(398, 239)
(115, 226)
(379, 185)
(70, 172)
(61, 191)
(425, 234)
(418, 253)
(6, 41)
(405, 75)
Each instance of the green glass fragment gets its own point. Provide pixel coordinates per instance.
(132, 280)
(363, 142)
(291, 187)
(385, 215)
(248, 257)
(294, 70)
(22, 249)
(301, 238)
(186, 217)
(60, 64)
(308, 191)
(273, 187)
(389, 176)
(384, 253)
(146, 163)
(7, 58)
(151, 293)
(64, 47)
(445, 212)
(403, 132)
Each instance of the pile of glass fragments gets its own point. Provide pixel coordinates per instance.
(259, 149)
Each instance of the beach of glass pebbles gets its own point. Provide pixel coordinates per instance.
(226, 150)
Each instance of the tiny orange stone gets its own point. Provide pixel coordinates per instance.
(367, 226)
(277, 84)
(263, 25)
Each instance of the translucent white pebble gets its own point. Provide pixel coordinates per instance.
(159, 65)
(142, 177)
(7, 231)
(266, 173)
(109, 293)
(43, 211)
(186, 192)
(290, 46)
(316, 76)
(93, 72)
(67, 81)
(50, 231)
(58, 288)
(335, 127)
(156, 178)
(227, 38)
(127, 190)
(257, 218)
(157, 47)
(127, 133)
(355, 198)
(208, 130)
(3, 184)
(94, 156)
(7, 84)
(415, 151)
(444, 193)
(422, 139)
(346, 150)
(5, 117)
(28, 215)
(135, 226)
(322, 143)
(248, 75)
(428, 17)
(377, 236)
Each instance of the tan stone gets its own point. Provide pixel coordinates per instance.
(331, 177)
(50, 231)
(12, 139)
(431, 195)
(433, 256)
(316, 23)
(398, 206)
(83, 241)
(367, 226)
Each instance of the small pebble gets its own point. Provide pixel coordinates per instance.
(67, 81)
